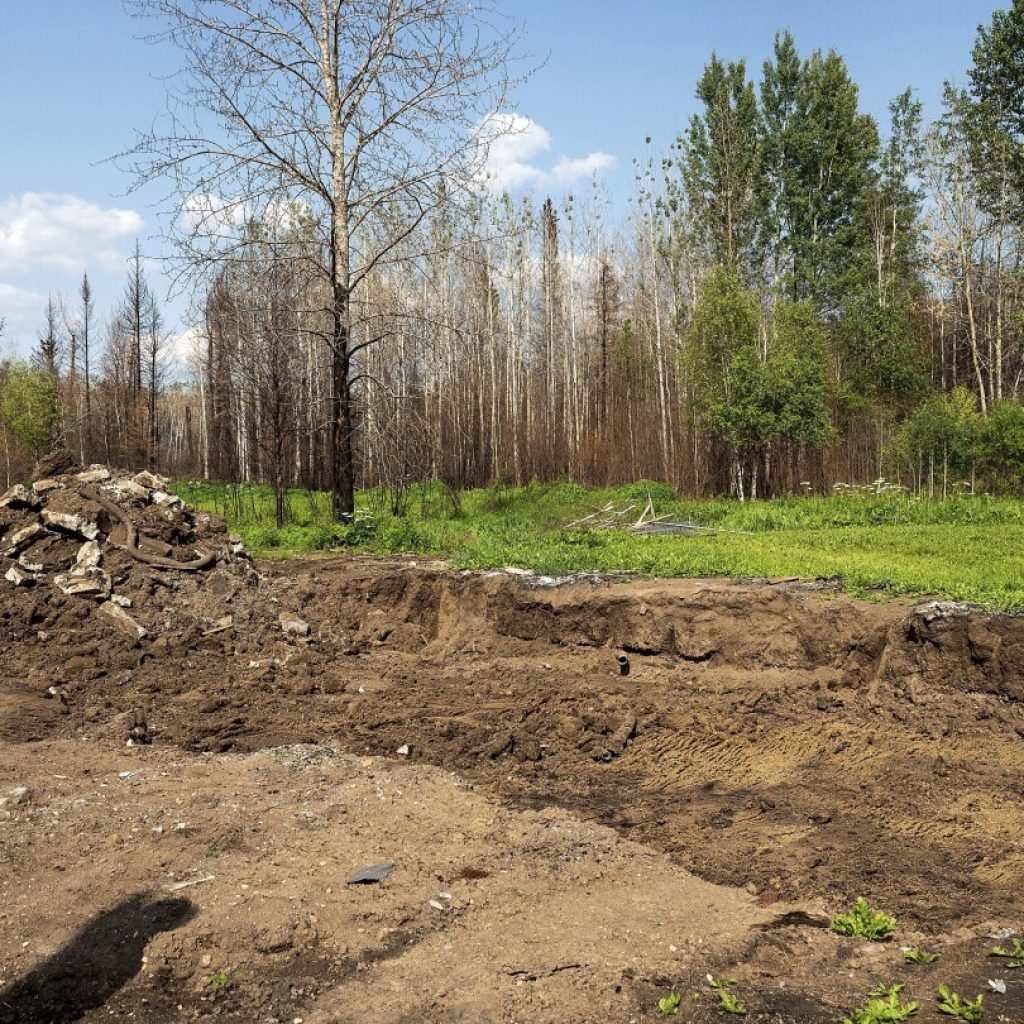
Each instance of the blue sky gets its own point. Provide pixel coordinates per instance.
(76, 78)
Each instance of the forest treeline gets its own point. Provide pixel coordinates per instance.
(792, 296)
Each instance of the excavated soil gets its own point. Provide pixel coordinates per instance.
(774, 751)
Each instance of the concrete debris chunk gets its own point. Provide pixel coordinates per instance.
(150, 480)
(45, 486)
(128, 490)
(71, 522)
(944, 610)
(29, 564)
(90, 582)
(121, 620)
(121, 601)
(19, 577)
(89, 556)
(94, 475)
(293, 625)
(165, 500)
(22, 538)
(19, 497)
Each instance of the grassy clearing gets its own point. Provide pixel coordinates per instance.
(965, 548)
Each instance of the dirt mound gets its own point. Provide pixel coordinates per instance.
(96, 564)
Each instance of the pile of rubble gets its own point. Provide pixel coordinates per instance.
(91, 534)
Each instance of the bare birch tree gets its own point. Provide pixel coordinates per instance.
(366, 112)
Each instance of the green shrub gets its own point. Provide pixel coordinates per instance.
(1000, 448)
(863, 922)
(884, 1007)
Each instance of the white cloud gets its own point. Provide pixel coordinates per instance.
(22, 313)
(216, 217)
(16, 301)
(213, 214)
(182, 351)
(567, 171)
(510, 145)
(60, 232)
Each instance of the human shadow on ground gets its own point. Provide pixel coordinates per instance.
(87, 970)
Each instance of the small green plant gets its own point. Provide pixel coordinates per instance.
(719, 984)
(919, 956)
(727, 1002)
(965, 1009)
(883, 1007)
(669, 1005)
(863, 922)
(1016, 952)
(221, 981)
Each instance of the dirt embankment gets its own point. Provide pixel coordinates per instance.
(788, 744)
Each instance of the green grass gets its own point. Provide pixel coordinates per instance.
(965, 548)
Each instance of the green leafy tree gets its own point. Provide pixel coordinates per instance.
(879, 356)
(798, 363)
(759, 390)
(720, 350)
(1000, 448)
(939, 441)
(997, 91)
(822, 152)
(29, 407)
(723, 167)
(893, 207)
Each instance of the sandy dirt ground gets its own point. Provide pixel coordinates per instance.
(568, 843)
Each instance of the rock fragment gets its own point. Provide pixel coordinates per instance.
(372, 874)
(71, 522)
(45, 486)
(19, 497)
(19, 577)
(88, 582)
(93, 475)
(22, 538)
(149, 480)
(26, 562)
(165, 500)
(121, 620)
(293, 625)
(89, 556)
(128, 490)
